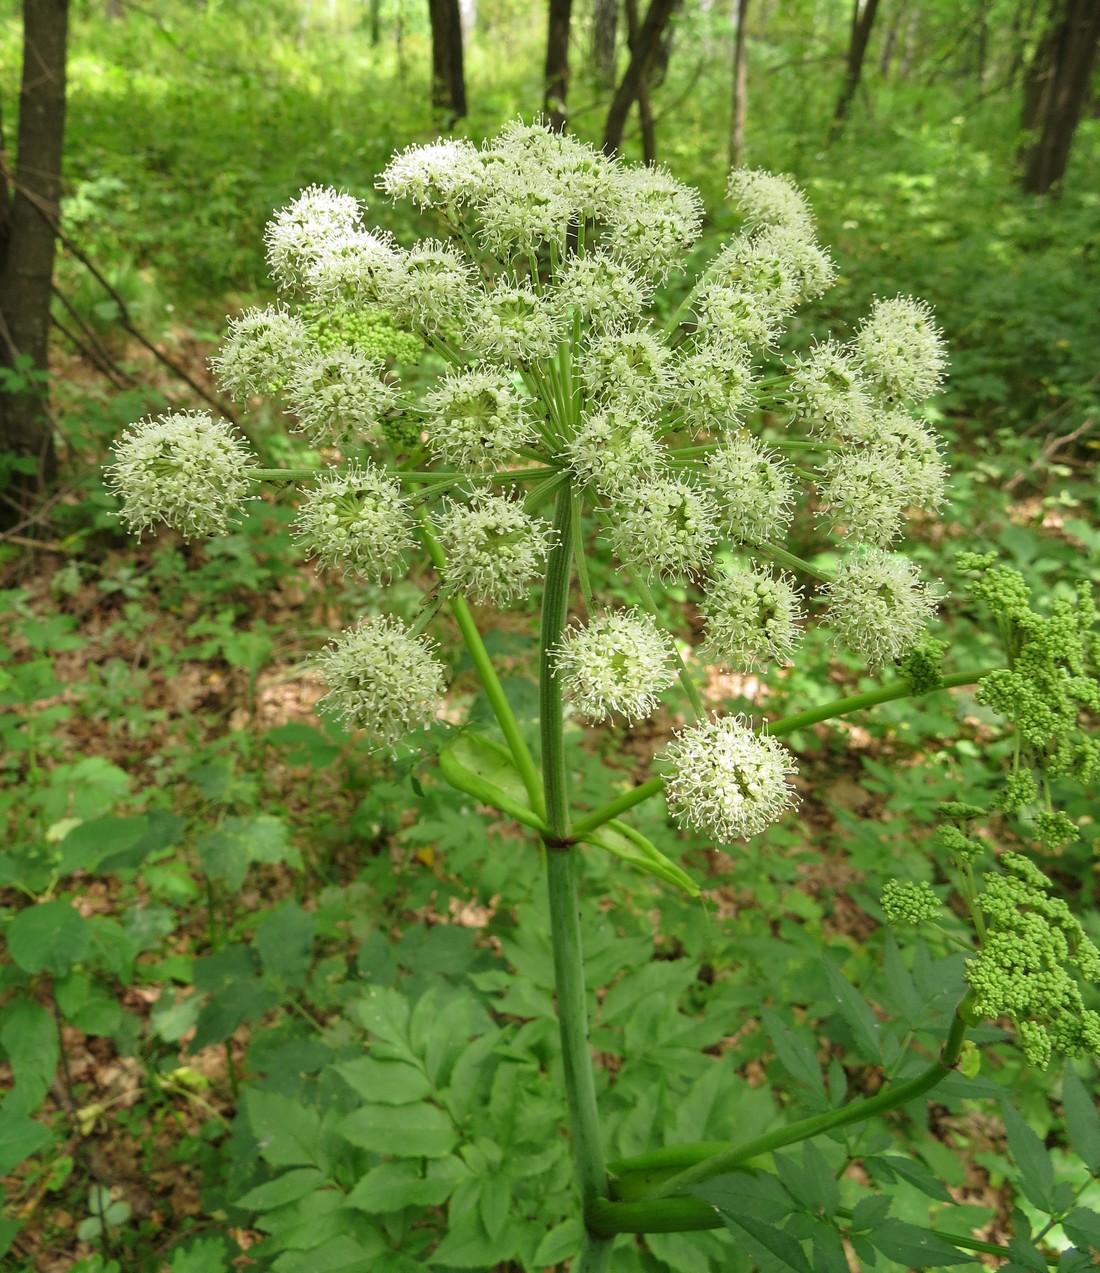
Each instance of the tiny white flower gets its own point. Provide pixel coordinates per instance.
(446, 173)
(495, 551)
(900, 349)
(879, 606)
(770, 199)
(262, 351)
(666, 525)
(755, 488)
(613, 449)
(298, 232)
(511, 324)
(429, 289)
(357, 519)
(339, 395)
(615, 666)
(476, 418)
(752, 617)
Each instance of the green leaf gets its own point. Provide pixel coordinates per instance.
(746, 1193)
(340, 1253)
(205, 1255)
(765, 1243)
(563, 1242)
(633, 847)
(288, 1187)
(869, 1212)
(385, 1082)
(857, 1013)
(85, 1006)
(284, 941)
(1082, 1119)
(29, 1036)
(20, 1137)
(901, 990)
(494, 1203)
(482, 769)
(309, 745)
(889, 1166)
(795, 1054)
(49, 937)
(1032, 1158)
(401, 1131)
(1082, 1226)
(468, 1248)
(288, 1133)
(385, 1014)
(89, 843)
(916, 1248)
(392, 1186)
(829, 1254)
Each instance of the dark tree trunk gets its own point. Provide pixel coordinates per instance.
(448, 77)
(645, 106)
(740, 85)
(605, 21)
(557, 64)
(28, 216)
(375, 12)
(863, 19)
(1058, 85)
(637, 72)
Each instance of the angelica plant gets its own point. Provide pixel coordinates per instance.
(565, 404)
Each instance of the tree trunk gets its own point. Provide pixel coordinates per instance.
(448, 77)
(863, 19)
(557, 64)
(28, 216)
(637, 72)
(740, 85)
(375, 12)
(1058, 84)
(645, 106)
(605, 20)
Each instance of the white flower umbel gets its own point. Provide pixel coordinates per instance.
(879, 606)
(901, 350)
(494, 550)
(356, 519)
(728, 781)
(571, 172)
(351, 267)
(601, 289)
(297, 233)
(339, 396)
(713, 382)
(779, 267)
(476, 419)
(737, 314)
(616, 666)
(430, 288)
(755, 488)
(653, 219)
(382, 679)
(668, 526)
(752, 617)
(512, 325)
(185, 469)
(612, 450)
(444, 174)
(520, 211)
(770, 199)
(262, 352)
(828, 391)
(629, 367)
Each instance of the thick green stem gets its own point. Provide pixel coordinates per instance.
(561, 873)
(856, 702)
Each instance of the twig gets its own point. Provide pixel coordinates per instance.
(1050, 448)
(97, 353)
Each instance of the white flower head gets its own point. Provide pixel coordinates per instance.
(628, 367)
(339, 395)
(755, 488)
(828, 391)
(494, 550)
(615, 666)
(733, 313)
(351, 267)
(578, 178)
(511, 324)
(382, 679)
(520, 211)
(666, 525)
(262, 351)
(476, 418)
(900, 349)
(443, 174)
(356, 519)
(601, 289)
(612, 450)
(429, 289)
(653, 219)
(879, 606)
(714, 382)
(297, 233)
(752, 617)
(727, 780)
(185, 469)
(768, 199)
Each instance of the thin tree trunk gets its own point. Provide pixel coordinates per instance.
(605, 20)
(448, 77)
(645, 105)
(863, 19)
(740, 85)
(557, 64)
(1061, 88)
(375, 23)
(641, 60)
(28, 215)
(890, 39)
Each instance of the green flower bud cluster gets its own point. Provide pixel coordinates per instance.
(909, 903)
(1048, 691)
(1026, 969)
(333, 325)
